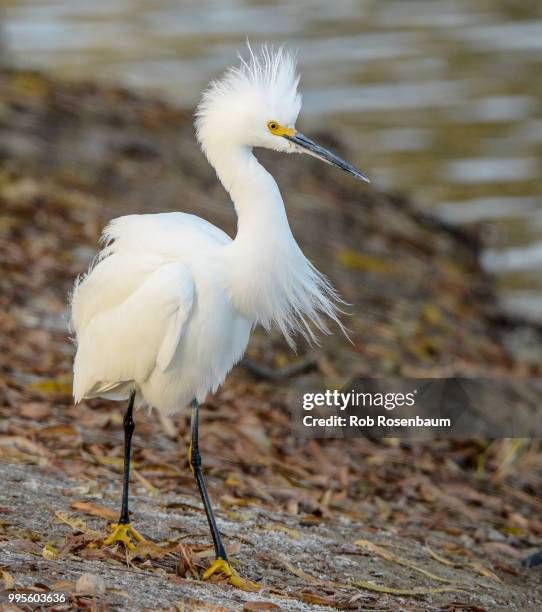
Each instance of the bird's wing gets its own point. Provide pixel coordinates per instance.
(134, 246)
(128, 341)
(166, 234)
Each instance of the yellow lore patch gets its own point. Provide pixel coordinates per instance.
(278, 130)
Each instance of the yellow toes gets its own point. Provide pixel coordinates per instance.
(221, 566)
(124, 532)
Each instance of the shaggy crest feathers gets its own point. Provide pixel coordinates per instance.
(274, 73)
(262, 87)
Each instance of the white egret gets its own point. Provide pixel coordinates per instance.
(168, 306)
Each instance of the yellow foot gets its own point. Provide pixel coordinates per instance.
(124, 532)
(223, 567)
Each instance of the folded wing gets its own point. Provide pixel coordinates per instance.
(123, 342)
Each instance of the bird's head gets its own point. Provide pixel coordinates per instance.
(256, 104)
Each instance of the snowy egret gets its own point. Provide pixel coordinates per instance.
(167, 307)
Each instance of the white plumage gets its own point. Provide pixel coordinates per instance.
(168, 307)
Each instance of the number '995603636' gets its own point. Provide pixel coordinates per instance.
(37, 597)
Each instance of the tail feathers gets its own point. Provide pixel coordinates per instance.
(113, 391)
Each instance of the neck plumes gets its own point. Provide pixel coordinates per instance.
(269, 279)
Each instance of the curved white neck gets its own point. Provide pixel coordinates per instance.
(255, 196)
(268, 278)
(264, 251)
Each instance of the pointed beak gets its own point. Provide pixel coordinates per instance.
(306, 145)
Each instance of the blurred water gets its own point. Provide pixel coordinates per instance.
(439, 98)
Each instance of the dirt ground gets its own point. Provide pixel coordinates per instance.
(330, 524)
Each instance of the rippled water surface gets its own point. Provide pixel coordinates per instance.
(439, 98)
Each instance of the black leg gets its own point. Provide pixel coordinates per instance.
(195, 464)
(129, 427)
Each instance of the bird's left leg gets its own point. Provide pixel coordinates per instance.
(123, 530)
(221, 564)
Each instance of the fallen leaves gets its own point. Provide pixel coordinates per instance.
(9, 582)
(50, 552)
(379, 588)
(34, 410)
(441, 559)
(317, 599)
(25, 447)
(95, 510)
(297, 571)
(475, 565)
(186, 564)
(293, 533)
(423, 322)
(259, 606)
(484, 571)
(389, 556)
(78, 525)
(150, 549)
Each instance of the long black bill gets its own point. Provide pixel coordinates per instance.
(310, 147)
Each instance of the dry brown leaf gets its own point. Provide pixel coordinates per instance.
(484, 571)
(95, 510)
(297, 571)
(77, 524)
(456, 606)
(316, 599)
(150, 549)
(389, 556)
(204, 554)
(455, 549)
(162, 468)
(77, 542)
(230, 500)
(379, 588)
(257, 606)
(50, 553)
(440, 559)
(115, 461)
(34, 410)
(9, 582)
(24, 445)
(153, 491)
(197, 605)
(63, 585)
(58, 430)
(186, 563)
(326, 499)
(294, 533)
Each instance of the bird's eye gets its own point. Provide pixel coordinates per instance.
(273, 126)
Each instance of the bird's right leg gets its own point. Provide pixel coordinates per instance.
(123, 530)
(221, 564)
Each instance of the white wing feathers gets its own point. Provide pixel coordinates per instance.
(181, 311)
(126, 341)
(165, 234)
